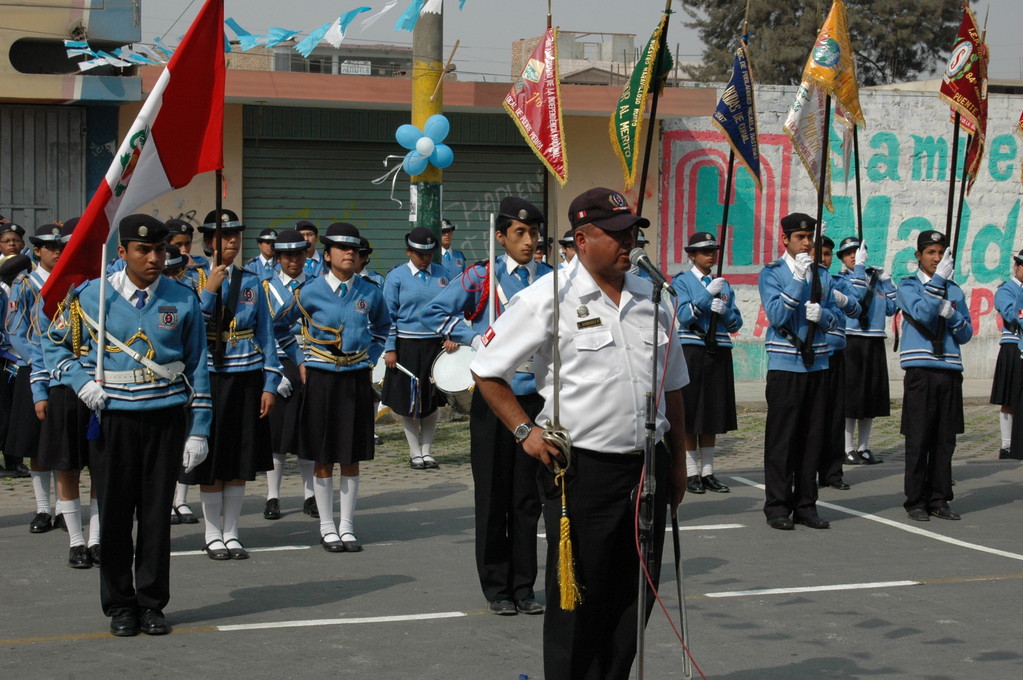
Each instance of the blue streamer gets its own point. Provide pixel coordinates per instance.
(306, 46)
(407, 21)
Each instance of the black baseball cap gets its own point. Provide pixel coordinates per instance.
(142, 228)
(930, 237)
(605, 208)
(790, 224)
(518, 208)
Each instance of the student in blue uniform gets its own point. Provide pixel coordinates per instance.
(507, 499)
(290, 249)
(244, 377)
(12, 239)
(935, 323)
(31, 383)
(179, 233)
(866, 363)
(154, 415)
(1008, 378)
(314, 262)
(362, 260)
(408, 289)
(567, 244)
(709, 398)
(12, 268)
(345, 324)
(264, 263)
(796, 428)
(453, 260)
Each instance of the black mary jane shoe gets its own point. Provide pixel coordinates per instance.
(332, 546)
(239, 553)
(351, 544)
(217, 552)
(272, 509)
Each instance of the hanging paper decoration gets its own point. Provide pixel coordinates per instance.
(408, 19)
(339, 29)
(306, 46)
(369, 21)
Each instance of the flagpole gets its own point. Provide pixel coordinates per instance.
(711, 341)
(962, 195)
(547, 175)
(856, 168)
(815, 285)
(952, 173)
(218, 323)
(662, 41)
(101, 324)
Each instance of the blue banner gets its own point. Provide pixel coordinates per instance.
(736, 114)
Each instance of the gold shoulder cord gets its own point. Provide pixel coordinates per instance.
(76, 313)
(202, 278)
(307, 320)
(266, 289)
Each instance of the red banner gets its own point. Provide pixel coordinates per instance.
(964, 87)
(534, 102)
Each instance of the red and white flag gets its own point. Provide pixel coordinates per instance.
(178, 134)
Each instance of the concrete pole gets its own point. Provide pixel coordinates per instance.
(427, 68)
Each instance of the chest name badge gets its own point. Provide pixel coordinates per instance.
(590, 323)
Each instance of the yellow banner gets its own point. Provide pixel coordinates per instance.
(832, 66)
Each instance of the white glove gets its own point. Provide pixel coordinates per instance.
(946, 266)
(93, 396)
(477, 340)
(813, 312)
(840, 298)
(716, 286)
(802, 265)
(882, 274)
(946, 310)
(196, 449)
(861, 255)
(717, 305)
(285, 388)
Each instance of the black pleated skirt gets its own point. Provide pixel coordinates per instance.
(62, 438)
(23, 431)
(1008, 375)
(417, 356)
(337, 416)
(284, 417)
(709, 398)
(866, 378)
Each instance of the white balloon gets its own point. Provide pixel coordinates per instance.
(425, 146)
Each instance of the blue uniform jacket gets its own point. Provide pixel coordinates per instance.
(174, 330)
(359, 320)
(252, 314)
(454, 261)
(784, 300)
(261, 270)
(851, 312)
(24, 325)
(279, 297)
(1009, 303)
(407, 296)
(882, 303)
(445, 313)
(694, 313)
(922, 302)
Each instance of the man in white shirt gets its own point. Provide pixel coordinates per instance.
(605, 343)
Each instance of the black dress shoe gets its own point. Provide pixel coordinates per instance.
(60, 523)
(919, 514)
(694, 485)
(377, 440)
(836, 484)
(78, 557)
(153, 622)
(332, 546)
(814, 522)
(711, 483)
(783, 523)
(852, 458)
(41, 523)
(125, 623)
(15, 472)
(272, 509)
(217, 550)
(945, 512)
(350, 542)
(502, 608)
(1003, 454)
(236, 553)
(529, 606)
(309, 507)
(94, 554)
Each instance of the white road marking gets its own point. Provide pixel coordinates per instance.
(814, 589)
(908, 528)
(698, 527)
(275, 548)
(338, 622)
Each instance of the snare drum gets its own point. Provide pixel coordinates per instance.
(379, 371)
(451, 375)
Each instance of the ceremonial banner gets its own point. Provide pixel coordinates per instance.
(534, 102)
(1019, 129)
(178, 134)
(805, 127)
(736, 114)
(832, 68)
(964, 87)
(627, 118)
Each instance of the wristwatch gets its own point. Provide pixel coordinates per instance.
(522, 431)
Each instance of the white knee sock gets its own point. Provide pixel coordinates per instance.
(212, 505)
(865, 426)
(411, 427)
(428, 426)
(1005, 426)
(72, 511)
(706, 461)
(41, 489)
(349, 494)
(323, 487)
(94, 536)
(850, 434)
(180, 494)
(233, 497)
(692, 463)
(273, 477)
(305, 468)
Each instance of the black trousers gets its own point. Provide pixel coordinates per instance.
(932, 416)
(795, 434)
(829, 469)
(6, 400)
(135, 463)
(507, 501)
(597, 640)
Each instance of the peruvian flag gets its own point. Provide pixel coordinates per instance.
(178, 134)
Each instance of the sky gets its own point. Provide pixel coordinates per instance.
(486, 28)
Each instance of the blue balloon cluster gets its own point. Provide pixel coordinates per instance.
(425, 146)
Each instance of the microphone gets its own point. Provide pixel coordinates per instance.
(640, 259)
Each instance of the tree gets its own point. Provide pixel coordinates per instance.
(894, 40)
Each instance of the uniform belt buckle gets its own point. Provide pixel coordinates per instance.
(141, 375)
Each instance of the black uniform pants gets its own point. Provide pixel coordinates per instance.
(135, 463)
(6, 401)
(932, 416)
(829, 469)
(507, 501)
(794, 436)
(597, 640)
